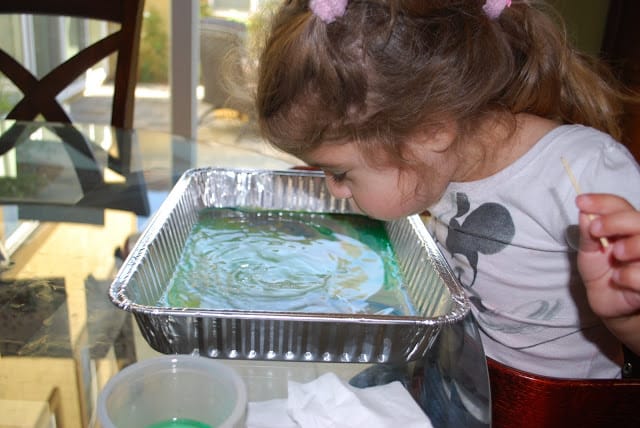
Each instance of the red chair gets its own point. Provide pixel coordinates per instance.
(524, 400)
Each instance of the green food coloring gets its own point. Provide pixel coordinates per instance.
(286, 261)
(179, 423)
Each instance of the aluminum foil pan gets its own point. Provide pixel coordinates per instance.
(430, 284)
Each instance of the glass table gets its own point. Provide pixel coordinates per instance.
(73, 198)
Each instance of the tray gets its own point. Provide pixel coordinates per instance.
(433, 290)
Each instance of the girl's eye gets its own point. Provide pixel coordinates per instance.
(338, 177)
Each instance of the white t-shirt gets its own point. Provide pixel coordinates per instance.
(507, 239)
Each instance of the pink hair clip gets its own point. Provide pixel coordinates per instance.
(493, 8)
(328, 10)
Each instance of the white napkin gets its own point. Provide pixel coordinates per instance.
(329, 402)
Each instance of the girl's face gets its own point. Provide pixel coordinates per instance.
(382, 192)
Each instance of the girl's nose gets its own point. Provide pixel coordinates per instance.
(338, 190)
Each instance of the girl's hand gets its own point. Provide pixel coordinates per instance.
(611, 274)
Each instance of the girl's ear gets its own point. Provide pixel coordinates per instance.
(434, 141)
(443, 138)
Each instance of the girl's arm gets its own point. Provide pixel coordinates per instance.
(611, 272)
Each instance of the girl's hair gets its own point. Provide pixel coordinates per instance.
(389, 68)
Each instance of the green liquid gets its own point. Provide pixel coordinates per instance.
(287, 262)
(179, 423)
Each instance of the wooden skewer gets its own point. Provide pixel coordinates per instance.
(603, 241)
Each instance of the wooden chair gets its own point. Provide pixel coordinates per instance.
(524, 400)
(40, 94)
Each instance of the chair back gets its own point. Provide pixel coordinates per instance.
(524, 400)
(39, 95)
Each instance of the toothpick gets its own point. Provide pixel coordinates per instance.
(603, 241)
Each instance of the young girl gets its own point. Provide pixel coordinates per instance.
(475, 111)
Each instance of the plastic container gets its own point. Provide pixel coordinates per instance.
(174, 391)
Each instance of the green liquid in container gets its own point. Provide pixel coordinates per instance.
(179, 423)
(288, 261)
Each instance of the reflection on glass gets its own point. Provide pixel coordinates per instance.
(39, 168)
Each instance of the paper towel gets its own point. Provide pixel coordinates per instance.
(329, 402)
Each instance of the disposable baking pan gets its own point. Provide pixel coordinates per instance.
(433, 291)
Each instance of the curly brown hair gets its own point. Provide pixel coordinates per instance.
(388, 68)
